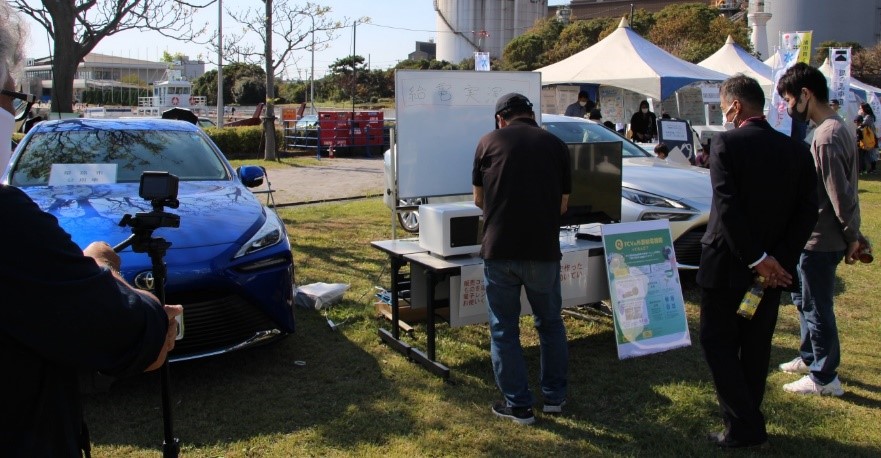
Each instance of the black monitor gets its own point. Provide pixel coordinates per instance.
(596, 184)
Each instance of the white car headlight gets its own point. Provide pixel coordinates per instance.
(651, 200)
(269, 234)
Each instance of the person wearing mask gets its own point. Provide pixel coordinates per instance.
(868, 115)
(836, 235)
(522, 180)
(64, 309)
(764, 206)
(580, 107)
(644, 124)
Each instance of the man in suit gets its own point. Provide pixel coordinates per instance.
(764, 208)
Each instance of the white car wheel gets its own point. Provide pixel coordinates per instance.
(410, 219)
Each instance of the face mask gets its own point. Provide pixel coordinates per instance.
(726, 124)
(644, 110)
(795, 114)
(7, 123)
(582, 103)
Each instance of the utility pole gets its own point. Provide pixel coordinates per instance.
(269, 116)
(220, 63)
(312, 74)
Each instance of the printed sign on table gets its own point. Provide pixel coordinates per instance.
(472, 293)
(647, 303)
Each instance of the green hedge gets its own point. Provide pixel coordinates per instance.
(242, 142)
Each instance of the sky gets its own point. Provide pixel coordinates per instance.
(395, 26)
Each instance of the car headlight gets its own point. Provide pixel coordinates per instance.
(651, 200)
(659, 207)
(269, 234)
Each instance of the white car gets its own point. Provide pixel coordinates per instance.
(651, 188)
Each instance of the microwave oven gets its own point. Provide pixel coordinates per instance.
(450, 229)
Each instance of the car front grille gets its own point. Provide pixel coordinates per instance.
(688, 246)
(217, 323)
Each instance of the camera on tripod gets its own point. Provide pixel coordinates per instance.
(160, 188)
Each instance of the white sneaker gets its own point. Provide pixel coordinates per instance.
(806, 385)
(796, 366)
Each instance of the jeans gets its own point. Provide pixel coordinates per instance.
(541, 279)
(820, 349)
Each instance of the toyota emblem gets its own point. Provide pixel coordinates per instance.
(144, 280)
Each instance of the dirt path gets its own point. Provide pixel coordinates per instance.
(334, 179)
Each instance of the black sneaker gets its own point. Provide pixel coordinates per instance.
(522, 415)
(550, 407)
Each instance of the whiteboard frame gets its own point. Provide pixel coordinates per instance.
(440, 117)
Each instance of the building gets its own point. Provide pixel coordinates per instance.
(100, 71)
(468, 26)
(853, 20)
(425, 50)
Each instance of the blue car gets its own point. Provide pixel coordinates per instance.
(230, 262)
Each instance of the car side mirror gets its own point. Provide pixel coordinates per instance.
(251, 175)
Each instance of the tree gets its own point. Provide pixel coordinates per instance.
(207, 83)
(694, 31)
(866, 65)
(578, 36)
(529, 51)
(293, 26)
(523, 53)
(823, 50)
(77, 26)
(169, 57)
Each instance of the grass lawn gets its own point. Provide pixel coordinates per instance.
(357, 397)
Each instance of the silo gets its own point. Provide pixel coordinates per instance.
(466, 26)
(850, 20)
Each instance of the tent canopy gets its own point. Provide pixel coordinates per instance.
(626, 60)
(731, 59)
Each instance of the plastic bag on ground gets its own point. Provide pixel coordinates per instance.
(320, 295)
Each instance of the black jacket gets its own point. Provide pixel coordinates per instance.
(60, 313)
(764, 201)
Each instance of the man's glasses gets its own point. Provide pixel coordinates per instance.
(22, 103)
(27, 98)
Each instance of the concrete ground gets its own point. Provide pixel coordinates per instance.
(333, 179)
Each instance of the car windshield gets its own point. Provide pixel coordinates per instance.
(587, 132)
(185, 154)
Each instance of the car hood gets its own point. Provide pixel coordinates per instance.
(211, 212)
(658, 177)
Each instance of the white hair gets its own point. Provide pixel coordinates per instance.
(13, 34)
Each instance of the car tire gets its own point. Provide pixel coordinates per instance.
(410, 219)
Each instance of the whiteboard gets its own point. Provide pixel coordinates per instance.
(441, 115)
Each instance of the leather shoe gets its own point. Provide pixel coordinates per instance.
(721, 440)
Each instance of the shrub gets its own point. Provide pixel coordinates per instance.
(242, 142)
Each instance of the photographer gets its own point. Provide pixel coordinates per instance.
(64, 310)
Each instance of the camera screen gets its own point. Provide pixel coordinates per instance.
(158, 185)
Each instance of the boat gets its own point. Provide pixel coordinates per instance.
(174, 91)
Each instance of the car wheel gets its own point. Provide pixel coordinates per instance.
(410, 219)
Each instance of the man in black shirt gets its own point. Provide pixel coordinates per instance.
(522, 181)
(63, 310)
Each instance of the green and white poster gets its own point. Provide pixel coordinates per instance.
(647, 304)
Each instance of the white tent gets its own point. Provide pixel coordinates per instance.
(774, 60)
(731, 59)
(626, 60)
